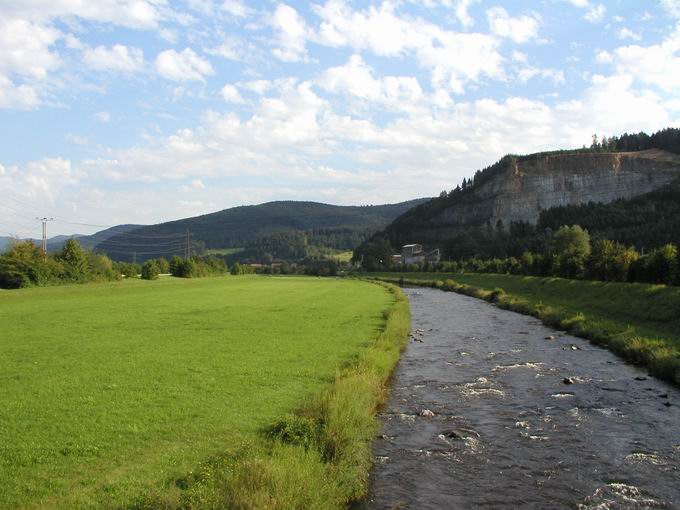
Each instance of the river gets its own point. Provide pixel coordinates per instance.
(524, 417)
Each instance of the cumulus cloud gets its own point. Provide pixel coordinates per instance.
(385, 33)
(595, 13)
(128, 13)
(25, 48)
(654, 65)
(183, 66)
(291, 32)
(462, 12)
(118, 58)
(519, 29)
(17, 97)
(627, 33)
(236, 8)
(672, 7)
(231, 94)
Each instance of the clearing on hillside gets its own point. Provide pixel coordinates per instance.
(115, 390)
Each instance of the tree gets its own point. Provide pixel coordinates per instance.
(150, 270)
(611, 261)
(571, 248)
(75, 261)
(163, 265)
(23, 265)
(662, 265)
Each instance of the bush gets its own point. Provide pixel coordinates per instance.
(150, 270)
(163, 265)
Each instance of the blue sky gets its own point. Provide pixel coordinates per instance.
(140, 111)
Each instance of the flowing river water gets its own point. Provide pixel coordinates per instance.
(521, 420)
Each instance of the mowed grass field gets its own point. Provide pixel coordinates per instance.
(114, 390)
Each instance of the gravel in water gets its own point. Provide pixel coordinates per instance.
(520, 421)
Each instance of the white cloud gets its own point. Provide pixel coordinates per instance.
(627, 33)
(128, 13)
(76, 139)
(672, 7)
(231, 94)
(230, 48)
(383, 32)
(103, 117)
(17, 97)
(656, 65)
(183, 66)
(604, 57)
(291, 32)
(43, 179)
(25, 48)
(519, 29)
(462, 12)
(236, 8)
(118, 58)
(357, 79)
(527, 73)
(595, 13)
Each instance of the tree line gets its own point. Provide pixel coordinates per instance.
(24, 265)
(571, 253)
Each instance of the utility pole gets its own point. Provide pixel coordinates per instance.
(44, 235)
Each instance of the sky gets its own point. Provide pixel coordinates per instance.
(142, 111)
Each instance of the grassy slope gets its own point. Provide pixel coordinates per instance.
(640, 322)
(115, 390)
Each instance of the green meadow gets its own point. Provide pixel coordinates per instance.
(114, 394)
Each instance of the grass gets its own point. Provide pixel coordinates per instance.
(175, 393)
(223, 251)
(342, 256)
(637, 321)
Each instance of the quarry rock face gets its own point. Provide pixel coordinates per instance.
(525, 188)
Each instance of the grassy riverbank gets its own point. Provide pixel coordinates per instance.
(182, 393)
(637, 321)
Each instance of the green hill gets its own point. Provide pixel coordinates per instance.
(344, 227)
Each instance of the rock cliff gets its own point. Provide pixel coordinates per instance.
(526, 187)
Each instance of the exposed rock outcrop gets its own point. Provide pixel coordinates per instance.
(526, 188)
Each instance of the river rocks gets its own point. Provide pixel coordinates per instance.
(417, 335)
(550, 337)
(460, 433)
(571, 347)
(426, 413)
(569, 380)
(640, 378)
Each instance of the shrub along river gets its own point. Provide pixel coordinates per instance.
(524, 416)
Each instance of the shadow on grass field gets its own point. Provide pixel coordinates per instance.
(179, 393)
(637, 321)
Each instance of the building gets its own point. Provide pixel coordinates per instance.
(415, 254)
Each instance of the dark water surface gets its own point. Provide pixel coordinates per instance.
(508, 432)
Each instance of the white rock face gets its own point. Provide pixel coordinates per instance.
(527, 187)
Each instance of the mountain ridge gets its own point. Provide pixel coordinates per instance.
(237, 226)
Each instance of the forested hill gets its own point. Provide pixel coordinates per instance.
(239, 226)
(505, 207)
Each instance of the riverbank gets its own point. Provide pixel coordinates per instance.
(636, 321)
